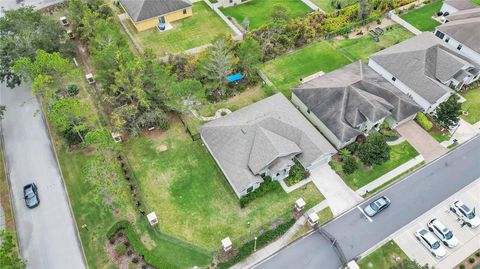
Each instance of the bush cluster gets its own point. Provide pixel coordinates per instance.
(350, 165)
(267, 186)
(423, 121)
(297, 173)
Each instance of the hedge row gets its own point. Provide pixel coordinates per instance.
(348, 29)
(423, 121)
(149, 257)
(267, 186)
(262, 240)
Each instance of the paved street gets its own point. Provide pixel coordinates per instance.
(47, 234)
(411, 198)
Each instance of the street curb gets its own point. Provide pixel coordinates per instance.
(54, 150)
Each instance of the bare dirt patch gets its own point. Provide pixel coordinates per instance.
(121, 253)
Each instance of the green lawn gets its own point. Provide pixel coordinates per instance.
(191, 197)
(440, 137)
(197, 30)
(383, 257)
(285, 72)
(399, 154)
(422, 17)
(257, 11)
(326, 5)
(472, 105)
(476, 2)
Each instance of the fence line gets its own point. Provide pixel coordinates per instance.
(403, 23)
(239, 34)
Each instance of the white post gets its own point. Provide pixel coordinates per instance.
(255, 244)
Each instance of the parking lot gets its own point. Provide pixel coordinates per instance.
(469, 238)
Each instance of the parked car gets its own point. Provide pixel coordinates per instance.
(466, 214)
(30, 193)
(376, 206)
(443, 233)
(429, 241)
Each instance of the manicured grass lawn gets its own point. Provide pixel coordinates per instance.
(326, 5)
(285, 72)
(258, 11)
(440, 137)
(190, 195)
(476, 2)
(422, 17)
(472, 105)
(399, 154)
(188, 33)
(383, 256)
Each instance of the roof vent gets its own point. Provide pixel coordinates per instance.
(243, 131)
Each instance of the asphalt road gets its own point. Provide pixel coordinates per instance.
(47, 234)
(410, 198)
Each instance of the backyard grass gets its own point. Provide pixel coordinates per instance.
(399, 155)
(191, 197)
(439, 137)
(383, 257)
(422, 18)
(472, 106)
(326, 5)
(258, 11)
(197, 30)
(285, 72)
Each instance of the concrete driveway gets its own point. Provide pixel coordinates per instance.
(422, 141)
(47, 234)
(339, 196)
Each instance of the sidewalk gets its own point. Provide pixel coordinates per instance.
(464, 132)
(312, 5)
(269, 250)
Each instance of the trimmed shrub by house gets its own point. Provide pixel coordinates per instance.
(350, 165)
(297, 173)
(423, 121)
(267, 186)
(375, 150)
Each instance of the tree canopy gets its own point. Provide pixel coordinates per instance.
(375, 150)
(447, 114)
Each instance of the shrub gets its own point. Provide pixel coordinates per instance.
(135, 260)
(477, 254)
(447, 114)
(462, 266)
(111, 240)
(120, 249)
(423, 121)
(349, 165)
(353, 147)
(72, 89)
(268, 185)
(297, 173)
(375, 150)
(471, 260)
(129, 252)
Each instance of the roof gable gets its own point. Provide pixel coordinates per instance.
(140, 10)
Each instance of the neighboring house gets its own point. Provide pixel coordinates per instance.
(452, 6)
(146, 14)
(263, 139)
(229, 3)
(351, 101)
(425, 69)
(462, 32)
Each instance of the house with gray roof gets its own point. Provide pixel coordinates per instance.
(425, 69)
(147, 14)
(452, 6)
(461, 31)
(263, 139)
(351, 101)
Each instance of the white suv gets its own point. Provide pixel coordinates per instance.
(443, 233)
(429, 241)
(466, 214)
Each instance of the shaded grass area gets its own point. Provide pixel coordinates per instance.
(383, 257)
(5, 196)
(191, 197)
(399, 155)
(422, 18)
(199, 29)
(472, 106)
(258, 11)
(285, 72)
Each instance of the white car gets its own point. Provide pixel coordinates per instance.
(443, 233)
(430, 242)
(466, 214)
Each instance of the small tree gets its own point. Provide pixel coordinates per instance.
(69, 113)
(375, 150)
(280, 14)
(217, 66)
(250, 55)
(344, 153)
(349, 165)
(448, 112)
(364, 9)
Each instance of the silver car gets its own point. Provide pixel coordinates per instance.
(376, 206)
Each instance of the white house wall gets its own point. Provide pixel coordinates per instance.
(471, 54)
(448, 8)
(426, 106)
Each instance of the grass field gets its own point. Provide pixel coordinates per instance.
(422, 18)
(197, 30)
(326, 5)
(472, 105)
(258, 11)
(190, 195)
(399, 154)
(383, 257)
(286, 71)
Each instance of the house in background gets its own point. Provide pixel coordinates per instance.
(351, 101)
(425, 69)
(263, 139)
(452, 6)
(147, 14)
(461, 31)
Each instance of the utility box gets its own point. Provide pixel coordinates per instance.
(352, 265)
(90, 78)
(313, 219)
(64, 21)
(117, 137)
(300, 204)
(152, 218)
(226, 244)
(70, 34)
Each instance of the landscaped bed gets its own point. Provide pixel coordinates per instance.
(399, 155)
(258, 11)
(285, 72)
(191, 197)
(472, 106)
(197, 30)
(422, 18)
(386, 256)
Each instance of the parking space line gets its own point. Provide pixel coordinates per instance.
(361, 210)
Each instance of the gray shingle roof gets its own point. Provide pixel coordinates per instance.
(460, 4)
(258, 136)
(140, 10)
(420, 63)
(346, 97)
(464, 14)
(466, 31)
